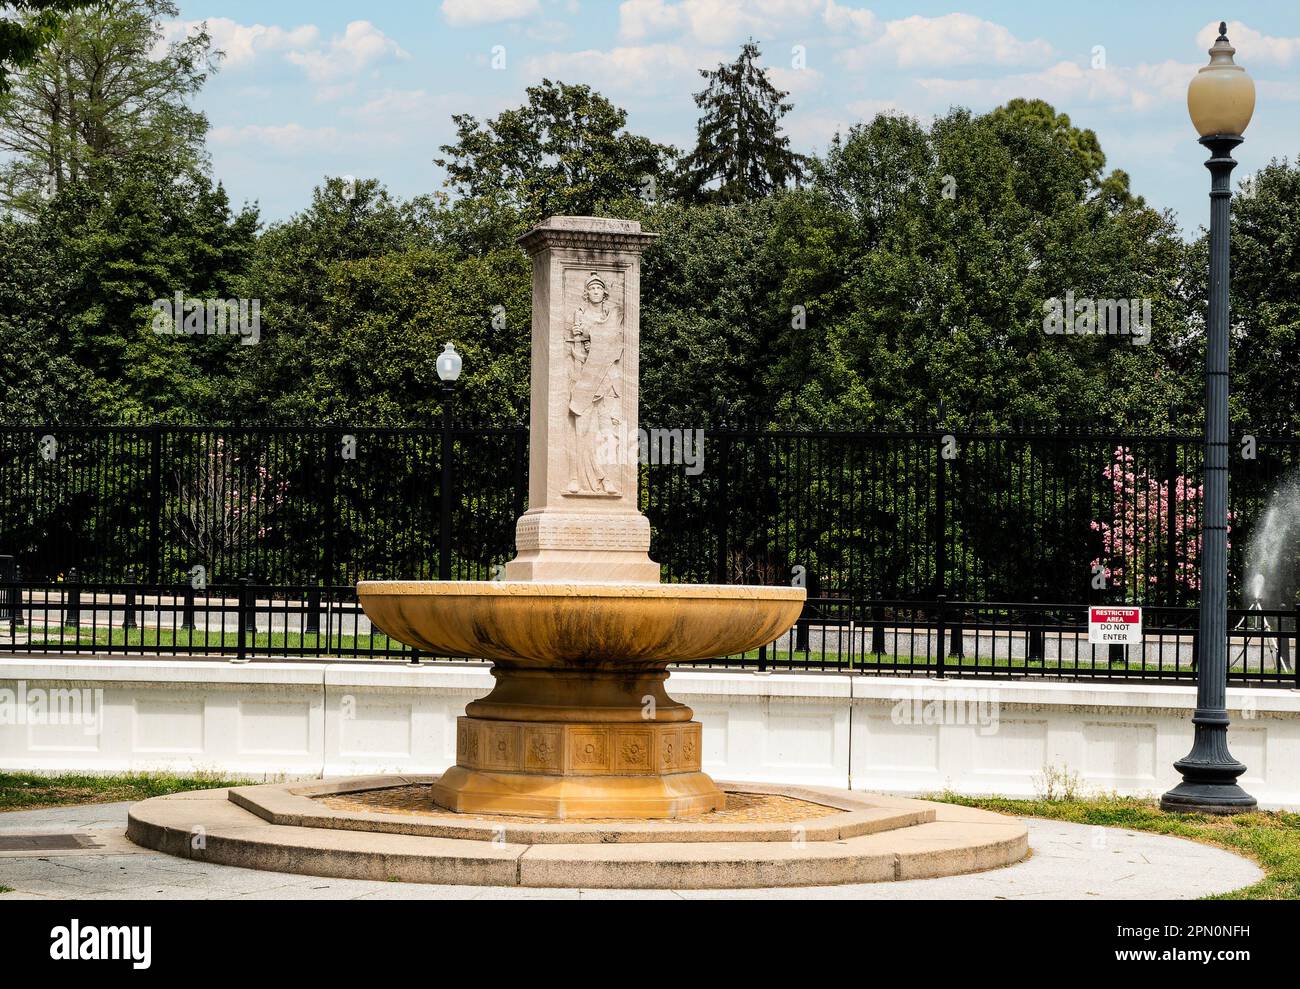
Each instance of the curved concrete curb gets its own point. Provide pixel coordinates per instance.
(210, 826)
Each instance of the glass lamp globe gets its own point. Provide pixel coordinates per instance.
(449, 364)
(1221, 96)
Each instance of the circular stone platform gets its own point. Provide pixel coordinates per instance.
(373, 828)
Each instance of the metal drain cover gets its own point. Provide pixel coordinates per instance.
(45, 842)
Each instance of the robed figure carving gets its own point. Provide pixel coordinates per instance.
(595, 345)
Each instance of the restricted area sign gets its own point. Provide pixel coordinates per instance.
(1115, 626)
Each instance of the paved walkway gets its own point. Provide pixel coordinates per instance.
(1068, 861)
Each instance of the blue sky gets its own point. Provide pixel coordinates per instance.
(327, 87)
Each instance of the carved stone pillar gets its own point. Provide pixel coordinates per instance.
(582, 521)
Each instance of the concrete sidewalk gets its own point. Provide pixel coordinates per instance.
(1067, 862)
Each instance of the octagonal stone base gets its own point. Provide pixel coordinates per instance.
(574, 770)
(569, 798)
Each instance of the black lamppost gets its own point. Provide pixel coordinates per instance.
(1221, 99)
(448, 365)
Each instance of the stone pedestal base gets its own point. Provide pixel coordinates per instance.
(572, 743)
(567, 798)
(558, 546)
(578, 769)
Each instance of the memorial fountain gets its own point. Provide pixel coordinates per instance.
(578, 769)
(580, 631)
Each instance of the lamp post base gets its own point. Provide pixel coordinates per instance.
(1209, 783)
(1208, 798)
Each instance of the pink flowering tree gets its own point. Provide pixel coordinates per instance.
(1134, 539)
(225, 504)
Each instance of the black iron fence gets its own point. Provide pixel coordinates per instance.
(931, 638)
(860, 515)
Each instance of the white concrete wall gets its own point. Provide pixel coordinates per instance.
(906, 735)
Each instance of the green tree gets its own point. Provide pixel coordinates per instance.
(923, 259)
(88, 265)
(1265, 298)
(97, 95)
(1040, 117)
(740, 152)
(565, 151)
(23, 36)
(707, 313)
(360, 293)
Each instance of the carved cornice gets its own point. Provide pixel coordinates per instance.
(586, 233)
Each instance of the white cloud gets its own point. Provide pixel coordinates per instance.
(867, 110)
(1137, 87)
(242, 43)
(396, 103)
(815, 130)
(712, 22)
(1271, 91)
(1252, 46)
(462, 13)
(953, 39)
(909, 41)
(796, 82)
(360, 45)
(624, 67)
(858, 20)
(277, 137)
(639, 19)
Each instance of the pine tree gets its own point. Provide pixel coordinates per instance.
(740, 152)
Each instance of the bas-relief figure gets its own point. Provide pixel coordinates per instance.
(594, 341)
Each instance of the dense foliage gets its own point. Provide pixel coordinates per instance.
(904, 278)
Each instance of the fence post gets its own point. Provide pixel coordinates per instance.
(155, 500)
(1171, 523)
(878, 630)
(1295, 642)
(1283, 644)
(333, 441)
(250, 612)
(521, 473)
(720, 518)
(7, 577)
(187, 613)
(940, 521)
(10, 592)
(1037, 637)
(128, 616)
(312, 626)
(72, 594)
(957, 637)
(939, 650)
(241, 648)
(444, 491)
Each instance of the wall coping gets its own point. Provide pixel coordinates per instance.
(685, 683)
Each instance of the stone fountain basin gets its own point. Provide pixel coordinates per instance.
(580, 624)
(579, 724)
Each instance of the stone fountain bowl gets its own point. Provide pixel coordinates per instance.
(579, 724)
(580, 624)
